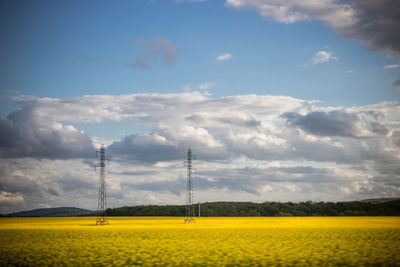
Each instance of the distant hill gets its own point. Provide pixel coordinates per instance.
(53, 212)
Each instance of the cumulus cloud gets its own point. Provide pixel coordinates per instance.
(321, 57)
(161, 50)
(257, 127)
(169, 143)
(373, 23)
(337, 123)
(28, 133)
(250, 147)
(223, 57)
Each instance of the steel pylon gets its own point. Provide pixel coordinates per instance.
(189, 210)
(102, 217)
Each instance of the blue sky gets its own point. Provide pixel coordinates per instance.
(158, 76)
(70, 48)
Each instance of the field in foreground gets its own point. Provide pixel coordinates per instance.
(324, 241)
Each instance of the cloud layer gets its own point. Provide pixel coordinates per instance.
(250, 147)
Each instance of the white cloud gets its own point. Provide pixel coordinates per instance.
(321, 57)
(248, 125)
(203, 87)
(394, 66)
(251, 147)
(279, 11)
(206, 86)
(223, 57)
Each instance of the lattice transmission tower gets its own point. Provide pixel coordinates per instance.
(189, 211)
(102, 204)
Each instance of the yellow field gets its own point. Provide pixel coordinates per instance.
(323, 241)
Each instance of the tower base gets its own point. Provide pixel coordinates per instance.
(102, 220)
(190, 220)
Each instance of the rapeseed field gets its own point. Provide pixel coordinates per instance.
(167, 241)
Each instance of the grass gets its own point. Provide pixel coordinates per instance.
(318, 241)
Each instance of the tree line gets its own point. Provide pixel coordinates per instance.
(245, 209)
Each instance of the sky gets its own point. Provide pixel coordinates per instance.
(280, 100)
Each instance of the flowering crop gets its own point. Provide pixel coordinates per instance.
(322, 241)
